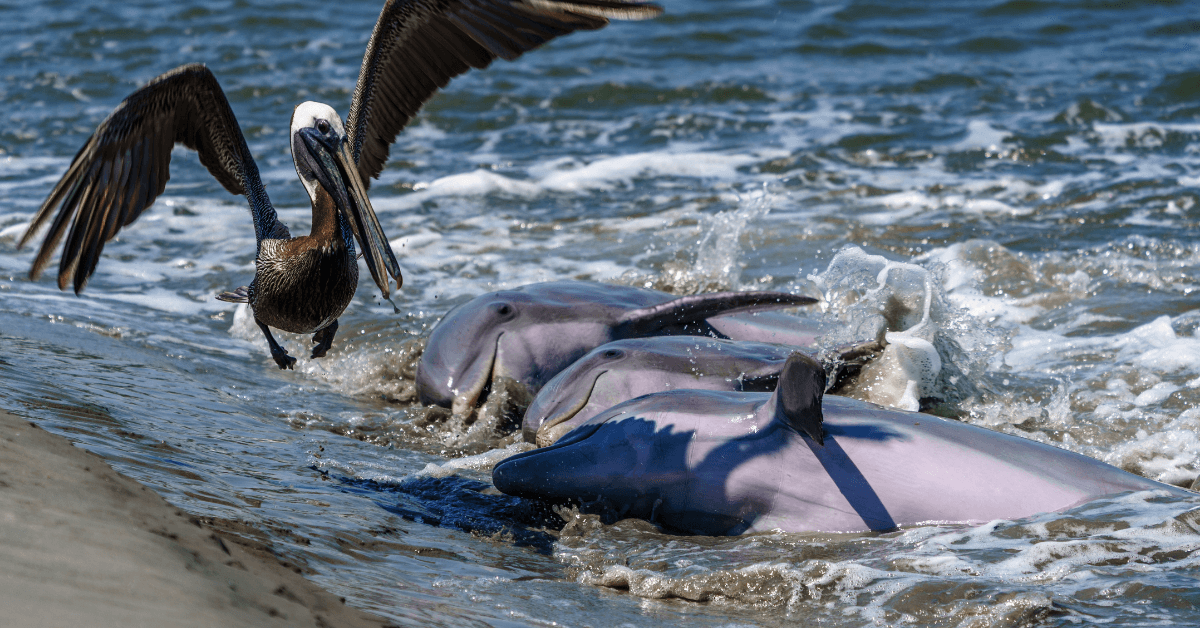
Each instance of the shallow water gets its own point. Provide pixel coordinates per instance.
(1036, 160)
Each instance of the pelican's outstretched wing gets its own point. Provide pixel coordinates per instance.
(125, 164)
(419, 45)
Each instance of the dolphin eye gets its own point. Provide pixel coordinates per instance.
(322, 126)
(504, 310)
(612, 354)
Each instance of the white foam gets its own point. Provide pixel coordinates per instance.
(165, 300)
(478, 183)
(1156, 346)
(1117, 135)
(910, 203)
(900, 205)
(1143, 217)
(569, 175)
(15, 230)
(1108, 385)
(870, 294)
(981, 134)
(11, 165)
(480, 462)
(46, 182)
(414, 241)
(992, 206)
(918, 365)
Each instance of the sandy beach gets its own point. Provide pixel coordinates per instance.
(81, 544)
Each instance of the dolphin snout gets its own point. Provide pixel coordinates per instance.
(450, 377)
(552, 413)
(560, 470)
(521, 476)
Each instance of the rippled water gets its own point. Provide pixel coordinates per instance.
(1037, 158)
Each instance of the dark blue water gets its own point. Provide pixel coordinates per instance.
(1037, 161)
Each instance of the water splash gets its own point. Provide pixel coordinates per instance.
(716, 265)
(925, 362)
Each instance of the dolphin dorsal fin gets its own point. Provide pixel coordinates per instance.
(648, 321)
(797, 398)
(760, 382)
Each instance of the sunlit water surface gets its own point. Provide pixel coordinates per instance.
(1036, 161)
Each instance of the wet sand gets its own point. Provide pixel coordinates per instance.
(81, 544)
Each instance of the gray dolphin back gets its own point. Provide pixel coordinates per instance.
(728, 463)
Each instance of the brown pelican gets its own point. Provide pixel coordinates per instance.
(300, 284)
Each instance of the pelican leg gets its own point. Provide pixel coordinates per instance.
(324, 339)
(280, 355)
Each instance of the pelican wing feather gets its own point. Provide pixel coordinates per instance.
(125, 164)
(419, 45)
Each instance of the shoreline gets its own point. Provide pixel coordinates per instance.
(82, 544)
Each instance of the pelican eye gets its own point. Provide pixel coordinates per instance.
(322, 126)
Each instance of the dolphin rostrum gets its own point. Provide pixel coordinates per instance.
(530, 333)
(723, 463)
(623, 369)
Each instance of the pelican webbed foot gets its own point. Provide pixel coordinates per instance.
(324, 339)
(278, 353)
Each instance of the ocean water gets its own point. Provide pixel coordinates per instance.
(1026, 171)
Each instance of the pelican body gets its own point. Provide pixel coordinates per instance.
(301, 284)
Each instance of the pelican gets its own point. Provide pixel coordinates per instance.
(301, 284)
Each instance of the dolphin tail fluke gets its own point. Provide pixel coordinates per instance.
(798, 396)
(693, 310)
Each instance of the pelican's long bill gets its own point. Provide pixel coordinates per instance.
(335, 171)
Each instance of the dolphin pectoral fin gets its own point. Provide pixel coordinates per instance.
(797, 398)
(240, 295)
(860, 352)
(324, 339)
(696, 308)
(843, 363)
(278, 353)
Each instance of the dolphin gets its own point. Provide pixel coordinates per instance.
(624, 369)
(774, 327)
(727, 463)
(529, 334)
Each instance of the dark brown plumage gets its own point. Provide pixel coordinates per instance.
(301, 284)
(419, 45)
(124, 166)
